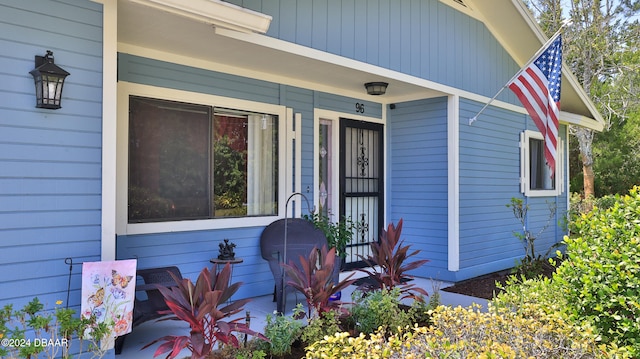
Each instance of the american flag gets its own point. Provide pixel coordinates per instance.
(538, 88)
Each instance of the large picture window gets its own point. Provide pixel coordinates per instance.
(191, 161)
(537, 178)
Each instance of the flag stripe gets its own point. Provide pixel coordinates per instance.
(537, 86)
(534, 97)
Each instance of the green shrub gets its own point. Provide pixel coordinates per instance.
(601, 272)
(251, 349)
(380, 308)
(281, 331)
(521, 295)
(33, 332)
(321, 325)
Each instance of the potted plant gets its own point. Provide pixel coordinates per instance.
(338, 236)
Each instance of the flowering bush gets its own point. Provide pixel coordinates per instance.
(31, 331)
(468, 333)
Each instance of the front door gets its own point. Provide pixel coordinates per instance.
(361, 184)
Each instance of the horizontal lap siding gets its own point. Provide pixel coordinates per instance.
(417, 172)
(539, 212)
(422, 38)
(191, 252)
(489, 178)
(147, 71)
(50, 161)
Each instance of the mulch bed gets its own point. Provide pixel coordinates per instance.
(481, 287)
(486, 286)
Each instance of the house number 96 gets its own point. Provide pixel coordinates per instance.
(359, 107)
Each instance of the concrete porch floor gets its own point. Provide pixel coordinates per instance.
(259, 307)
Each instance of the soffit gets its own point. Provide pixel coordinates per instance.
(516, 29)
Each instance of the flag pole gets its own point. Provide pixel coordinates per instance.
(532, 59)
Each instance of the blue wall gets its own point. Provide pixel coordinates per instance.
(191, 251)
(50, 160)
(489, 178)
(418, 183)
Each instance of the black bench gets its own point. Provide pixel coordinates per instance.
(149, 301)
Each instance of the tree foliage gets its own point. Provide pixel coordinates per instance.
(601, 48)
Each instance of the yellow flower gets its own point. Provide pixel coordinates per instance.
(58, 302)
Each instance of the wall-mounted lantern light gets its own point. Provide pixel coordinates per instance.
(376, 88)
(49, 79)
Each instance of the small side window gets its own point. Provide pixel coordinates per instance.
(537, 178)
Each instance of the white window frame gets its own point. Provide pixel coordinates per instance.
(525, 158)
(127, 89)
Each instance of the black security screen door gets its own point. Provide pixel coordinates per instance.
(361, 184)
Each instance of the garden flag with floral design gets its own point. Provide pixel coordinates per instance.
(108, 290)
(537, 86)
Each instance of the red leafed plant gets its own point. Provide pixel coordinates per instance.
(314, 279)
(389, 255)
(199, 305)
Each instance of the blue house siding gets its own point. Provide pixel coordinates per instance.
(489, 178)
(418, 183)
(191, 250)
(422, 38)
(50, 161)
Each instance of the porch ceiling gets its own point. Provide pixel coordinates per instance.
(181, 37)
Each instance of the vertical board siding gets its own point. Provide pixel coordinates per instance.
(191, 251)
(417, 172)
(422, 38)
(50, 161)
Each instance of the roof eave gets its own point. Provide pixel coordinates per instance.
(522, 39)
(215, 12)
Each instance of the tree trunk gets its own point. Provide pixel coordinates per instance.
(585, 140)
(588, 178)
